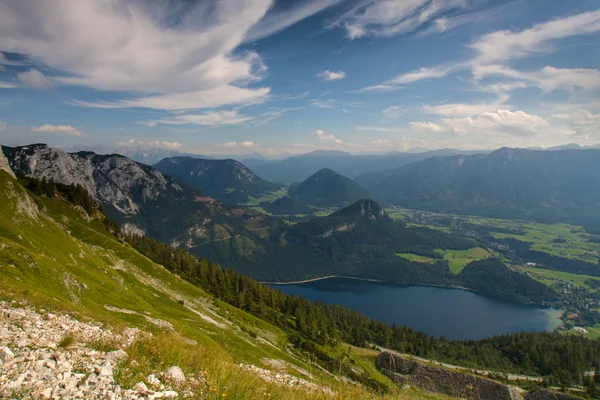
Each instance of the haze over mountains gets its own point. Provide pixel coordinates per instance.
(226, 180)
(562, 185)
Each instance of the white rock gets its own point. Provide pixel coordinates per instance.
(153, 381)
(105, 369)
(116, 355)
(175, 374)
(47, 393)
(170, 394)
(6, 354)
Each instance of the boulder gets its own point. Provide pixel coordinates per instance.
(175, 375)
(6, 354)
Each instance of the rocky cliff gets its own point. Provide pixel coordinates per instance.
(441, 380)
(4, 165)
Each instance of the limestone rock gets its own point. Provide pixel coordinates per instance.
(4, 164)
(175, 374)
(6, 354)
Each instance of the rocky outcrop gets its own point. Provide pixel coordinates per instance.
(404, 371)
(548, 395)
(4, 164)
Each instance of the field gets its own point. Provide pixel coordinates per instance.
(457, 259)
(547, 276)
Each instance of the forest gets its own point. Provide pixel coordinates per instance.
(562, 359)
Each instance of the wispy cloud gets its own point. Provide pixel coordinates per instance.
(213, 118)
(161, 57)
(60, 129)
(152, 144)
(322, 103)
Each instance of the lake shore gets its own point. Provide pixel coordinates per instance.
(323, 278)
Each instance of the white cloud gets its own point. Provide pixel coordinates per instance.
(547, 79)
(34, 79)
(518, 123)
(419, 74)
(394, 111)
(393, 17)
(426, 127)
(62, 129)
(582, 124)
(321, 135)
(172, 56)
(213, 118)
(234, 145)
(270, 115)
(303, 145)
(460, 109)
(507, 45)
(379, 88)
(382, 143)
(155, 144)
(8, 85)
(328, 75)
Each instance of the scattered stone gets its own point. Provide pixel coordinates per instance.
(6, 354)
(175, 374)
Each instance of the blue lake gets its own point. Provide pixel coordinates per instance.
(453, 313)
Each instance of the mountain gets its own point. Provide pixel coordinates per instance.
(298, 168)
(327, 188)
(145, 320)
(515, 183)
(141, 199)
(358, 241)
(152, 156)
(226, 180)
(287, 206)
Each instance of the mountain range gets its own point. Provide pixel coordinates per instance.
(511, 183)
(359, 240)
(226, 180)
(298, 168)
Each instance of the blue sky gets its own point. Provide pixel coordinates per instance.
(288, 77)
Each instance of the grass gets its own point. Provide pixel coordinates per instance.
(458, 259)
(416, 258)
(547, 276)
(269, 197)
(67, 341)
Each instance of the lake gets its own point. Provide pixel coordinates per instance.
(453, 313)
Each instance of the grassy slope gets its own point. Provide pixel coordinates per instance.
(457, 259)
(58, 260)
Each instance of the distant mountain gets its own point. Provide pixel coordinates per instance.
(152, 156)
(298, 168)
(287, 206)
(516, 183)
(226, 180)
(141, 199)
(327, 188)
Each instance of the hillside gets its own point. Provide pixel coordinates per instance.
(326, 188)
(287, 205)
(226, 180)
(514, 183)
(85, 296)
(141, 199)
(152, 156)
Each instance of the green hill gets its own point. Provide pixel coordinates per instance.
(226, 180)
(287, 205)
(326, 188)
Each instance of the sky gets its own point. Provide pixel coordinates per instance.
(281, 77)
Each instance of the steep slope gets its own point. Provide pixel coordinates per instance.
(550, 185)
(226, 180)
(287, 206)
(80, 293)
(327, 188)
(141, 199)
